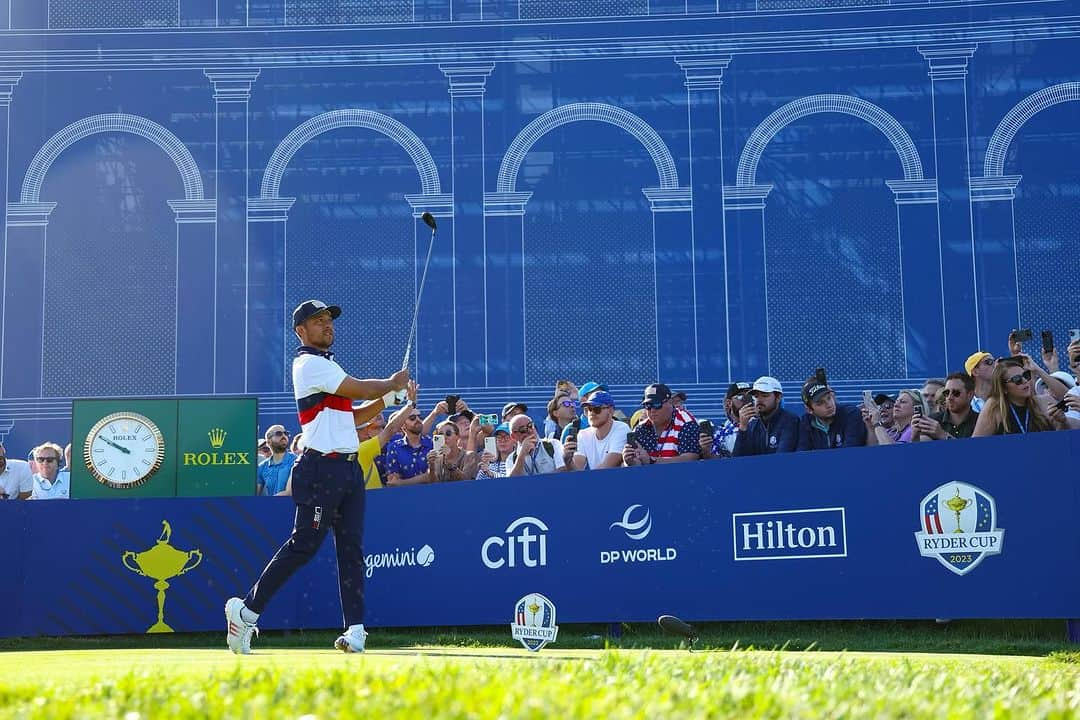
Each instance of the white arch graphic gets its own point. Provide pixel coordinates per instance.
(106, 123)
(388, 126)
(576, 112)
(846, 104)
(996, 149)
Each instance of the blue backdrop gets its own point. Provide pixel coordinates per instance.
(619, 545)
(627, 190)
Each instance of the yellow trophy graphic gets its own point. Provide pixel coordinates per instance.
(161, 563)
(957, 505)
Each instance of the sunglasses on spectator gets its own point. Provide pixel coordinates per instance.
(47, 459)
(653, 405)
(524, 429)
(1021, 378)
(569, 403)
(415, 416)
(594, 408)
(279, 432)
(448, 433)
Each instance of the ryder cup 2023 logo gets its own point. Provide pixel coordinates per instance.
(534, 622)
(959, 527)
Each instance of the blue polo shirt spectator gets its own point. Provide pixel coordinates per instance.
(406, 455)
(273, 473)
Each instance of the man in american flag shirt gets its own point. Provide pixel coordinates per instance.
(667, 434)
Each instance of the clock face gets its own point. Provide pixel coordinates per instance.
(124, 450)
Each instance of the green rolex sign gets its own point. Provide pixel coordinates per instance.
(198, 447)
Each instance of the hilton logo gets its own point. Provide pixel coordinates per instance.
(790, 534)
(217, 439)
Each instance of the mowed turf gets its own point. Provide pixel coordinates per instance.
(455, 682)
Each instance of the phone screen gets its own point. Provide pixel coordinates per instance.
(868, 399)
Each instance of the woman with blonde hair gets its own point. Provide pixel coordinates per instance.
(909, 403)
(1012, 407)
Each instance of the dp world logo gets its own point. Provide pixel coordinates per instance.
(959, 527)
(534, 622)
(635, 524)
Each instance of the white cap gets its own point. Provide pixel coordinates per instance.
(1065, 378)
(768, 384)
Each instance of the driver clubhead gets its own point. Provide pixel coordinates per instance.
(429, 220)
(675, 626)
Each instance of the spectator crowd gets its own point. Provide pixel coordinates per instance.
(582, 428)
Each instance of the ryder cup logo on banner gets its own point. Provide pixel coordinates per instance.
(959, 527)
(525, 544)
(534, 622)
(412, 557)
(636, 524)
(790, 534)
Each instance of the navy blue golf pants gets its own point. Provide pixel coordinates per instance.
(329, 492)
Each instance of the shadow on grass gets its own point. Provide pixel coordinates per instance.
(987, 637)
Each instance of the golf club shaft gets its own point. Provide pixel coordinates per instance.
(416, 309)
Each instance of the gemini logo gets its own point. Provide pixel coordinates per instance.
(217, 440)
(521, 546)
(790, 534)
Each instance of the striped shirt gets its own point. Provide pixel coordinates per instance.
(326, 419)
(681, 437)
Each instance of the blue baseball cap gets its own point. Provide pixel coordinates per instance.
(601, 397)
(309, 308)
(503, 428)
(591, 387)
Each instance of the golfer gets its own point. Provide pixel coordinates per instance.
(327, 486)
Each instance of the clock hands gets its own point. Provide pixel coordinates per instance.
(119, 447)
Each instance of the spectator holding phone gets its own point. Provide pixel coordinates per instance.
(407, 456)
(600, 445)
(765, 427)
(957, 420)
(493, 465)
(665, 434)
(1012, 408)
(720, 442)
(825, 424)
(885, 404)
(533, 455)
(448, 461)
(909, 403)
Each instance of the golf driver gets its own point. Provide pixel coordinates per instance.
(675, 626)
(429, 220)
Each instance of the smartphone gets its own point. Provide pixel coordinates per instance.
(1074, 335)
(917, 411)
(705, 427)
(451, 404)
(1021, 336)
(572, 430)
(819, 375)
(631, 438)
(868, 400)
(1047, 341)
(1061, 405)
(438, 442)
(491, 419)
(489, 447)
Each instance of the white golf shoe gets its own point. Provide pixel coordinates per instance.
(352, 640)
(240, 632)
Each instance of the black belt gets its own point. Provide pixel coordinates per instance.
(350, 457)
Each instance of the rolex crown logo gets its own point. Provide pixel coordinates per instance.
(217, 437)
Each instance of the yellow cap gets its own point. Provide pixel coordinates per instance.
(974, 359)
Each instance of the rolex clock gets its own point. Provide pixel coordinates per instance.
(124, 450)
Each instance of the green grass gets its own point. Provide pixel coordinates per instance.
(556, 683)
(976, 669)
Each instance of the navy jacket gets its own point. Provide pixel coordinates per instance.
(779, 434)
(846, 430)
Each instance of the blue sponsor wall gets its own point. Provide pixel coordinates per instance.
(626, 190)
(618, 545)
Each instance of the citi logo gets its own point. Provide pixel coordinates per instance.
(790, 534)
(634, 529)
(525, 544)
